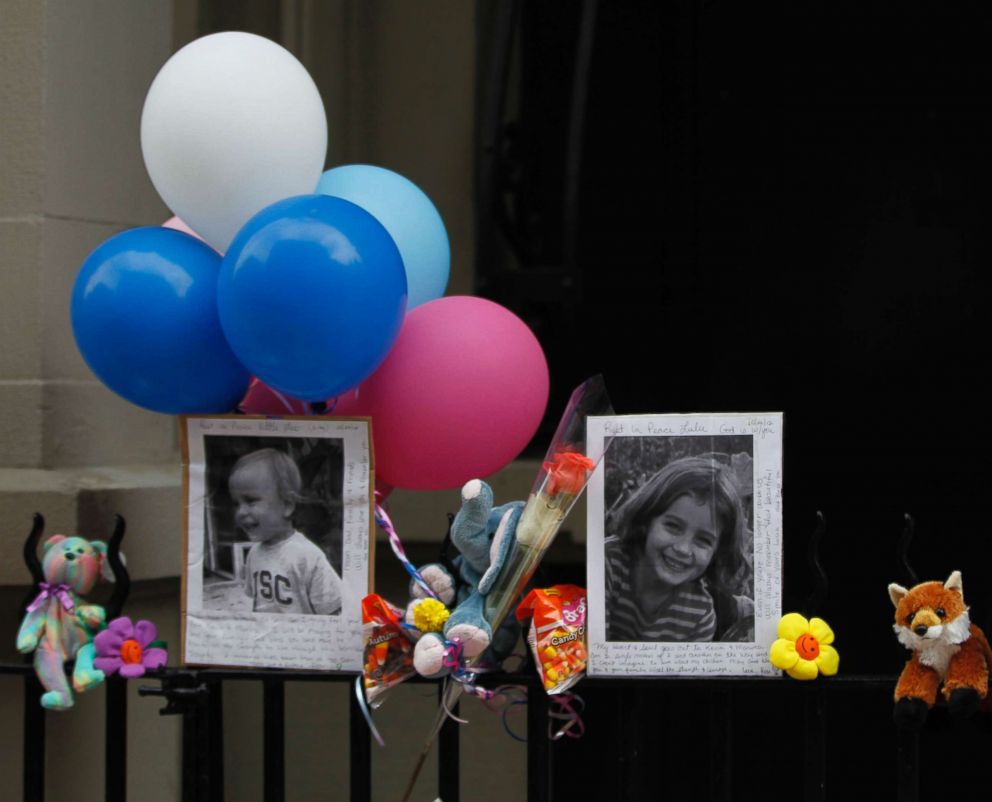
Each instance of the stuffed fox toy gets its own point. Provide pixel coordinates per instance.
(932, 622)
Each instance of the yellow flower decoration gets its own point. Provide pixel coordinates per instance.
(430, 615)
(803, 648)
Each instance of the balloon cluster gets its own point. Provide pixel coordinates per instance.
(280, 288)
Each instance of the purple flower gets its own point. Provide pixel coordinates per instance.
(126, 647)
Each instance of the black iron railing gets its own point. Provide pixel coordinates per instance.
(552, 771)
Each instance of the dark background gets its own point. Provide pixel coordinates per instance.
(768, 207)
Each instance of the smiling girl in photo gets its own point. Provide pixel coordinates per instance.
(675, 564)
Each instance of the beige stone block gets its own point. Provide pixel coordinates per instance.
(20, 424)
(20, 308)
(153, 514)
(87, 424)
(85, 502)
(22, 32)
(22, 494)
(65, 246)
(101, 57)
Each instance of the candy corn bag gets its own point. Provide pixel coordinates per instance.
(557, 634)
(388, 647)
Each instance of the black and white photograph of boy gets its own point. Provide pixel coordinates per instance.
(278, 540)
(273, 525)
(679, 546)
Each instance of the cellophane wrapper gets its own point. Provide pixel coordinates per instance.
(566, 470)
(557, 634)
(388, 659)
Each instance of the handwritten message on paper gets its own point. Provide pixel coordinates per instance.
(763, 485)
(680, 659)
(234, 638)
(274, 641)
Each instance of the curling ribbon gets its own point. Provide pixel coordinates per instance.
(364, 707)
(60, 592)
(515, 697)
(382, 518)
(455, 660)
(566, 704)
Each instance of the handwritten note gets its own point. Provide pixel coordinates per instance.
(680, 659)
(274, 641)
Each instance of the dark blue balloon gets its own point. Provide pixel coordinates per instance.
(312, 295)
(144, 313)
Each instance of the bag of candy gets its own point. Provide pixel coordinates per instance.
(388, 647)
(557, 634)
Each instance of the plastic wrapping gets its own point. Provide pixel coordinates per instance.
(557, 634)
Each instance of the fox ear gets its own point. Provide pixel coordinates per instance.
(954, 582)
(896, 592)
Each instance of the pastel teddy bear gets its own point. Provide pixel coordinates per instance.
(484, 536)
(58, 626)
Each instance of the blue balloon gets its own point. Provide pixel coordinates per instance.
(144, 314)
(312, 295)
(408, 215)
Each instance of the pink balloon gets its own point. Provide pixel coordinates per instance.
(350, 404)
(178, 225)
(264, 400)
(460, 395)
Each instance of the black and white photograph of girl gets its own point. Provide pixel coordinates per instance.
(679, 545)
(273, 524)
(684, 544)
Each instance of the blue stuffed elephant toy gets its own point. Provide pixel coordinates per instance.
(485, 537)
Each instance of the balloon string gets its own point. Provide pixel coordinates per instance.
(462, 673)
(282, 399)
(382, 518)
(363, 706)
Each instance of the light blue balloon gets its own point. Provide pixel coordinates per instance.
(407, 214)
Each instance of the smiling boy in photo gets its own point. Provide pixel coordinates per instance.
(284, 571)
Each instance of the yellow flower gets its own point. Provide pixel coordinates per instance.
(803, 648)
(430, 615)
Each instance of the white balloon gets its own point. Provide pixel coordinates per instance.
(231, 124)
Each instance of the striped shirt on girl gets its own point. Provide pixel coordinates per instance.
(689, 616)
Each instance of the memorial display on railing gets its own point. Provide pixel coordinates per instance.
(283, 290)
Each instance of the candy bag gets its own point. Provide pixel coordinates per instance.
(388, 647)
(557, 634)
